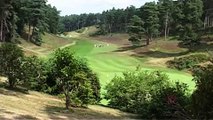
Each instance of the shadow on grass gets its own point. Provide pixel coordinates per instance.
(127, 48)
(25, 117)
(200, 47)
(5, 90)
(56, 112)
(17, 117)
(159, 54)
(129, 115)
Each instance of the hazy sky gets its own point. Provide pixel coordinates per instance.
(68, 7)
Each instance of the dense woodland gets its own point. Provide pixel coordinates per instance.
(149, 94)
(27, 17)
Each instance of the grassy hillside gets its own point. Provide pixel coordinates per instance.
(50, 43)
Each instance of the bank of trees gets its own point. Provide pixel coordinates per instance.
(109, 21)
(164, 18)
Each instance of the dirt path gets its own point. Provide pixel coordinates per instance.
(42, 51)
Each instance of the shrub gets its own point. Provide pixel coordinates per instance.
(188, 61)
(130, 92)
(170, 102)
(10, 62)
(145, 93)
(202, 97)
(34, 73)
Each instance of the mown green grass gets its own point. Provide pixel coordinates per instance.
(108, 64)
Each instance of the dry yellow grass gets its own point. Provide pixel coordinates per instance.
(50, 43)
(35, 105)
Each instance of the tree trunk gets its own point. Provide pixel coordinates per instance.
(11, 82)
(67, 101)
(147, 41)
(1, 31)
(29, 32)
(166, 26)
(67, 97)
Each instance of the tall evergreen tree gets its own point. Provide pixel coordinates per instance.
(189, 20)
(151, 21)
(52, 19)
(7, 21)
(136, 30)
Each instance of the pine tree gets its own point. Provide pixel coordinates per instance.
(135, 30)
(7, 21)
(189, 20)
(151, 21)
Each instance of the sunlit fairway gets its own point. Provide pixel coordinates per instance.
(107, 63)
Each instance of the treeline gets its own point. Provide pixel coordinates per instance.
(113, 20)
(31, 17)
(74, 22)
(184, 19)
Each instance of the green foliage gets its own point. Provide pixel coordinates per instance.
(203, 95)
(74, 79)
(135, 30)
(10, 62)
(188, 61)
(149, 94)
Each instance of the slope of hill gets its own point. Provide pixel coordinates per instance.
(50, 43)
(39, 106)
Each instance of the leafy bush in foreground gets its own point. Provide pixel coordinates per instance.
(146, 93)
(188, 61)
(20, 70)
(203, 95)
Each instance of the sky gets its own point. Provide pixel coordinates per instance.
(68, 7)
